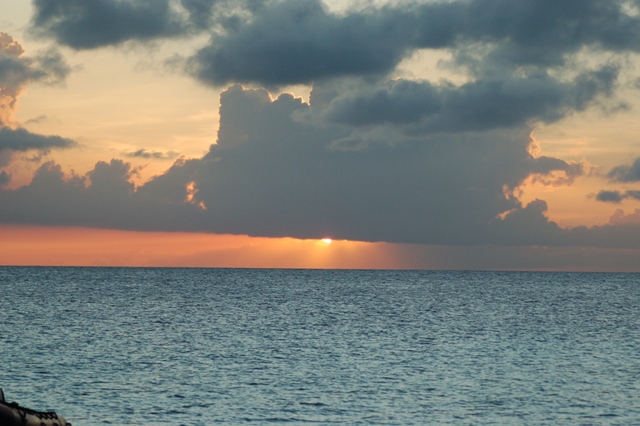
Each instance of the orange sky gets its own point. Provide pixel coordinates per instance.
(50, 246)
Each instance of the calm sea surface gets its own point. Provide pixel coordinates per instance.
(126, 346)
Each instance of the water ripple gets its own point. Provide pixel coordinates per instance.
(195, 346)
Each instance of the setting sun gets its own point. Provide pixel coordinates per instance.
(326, 240)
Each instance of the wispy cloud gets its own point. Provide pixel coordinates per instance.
(152, 155)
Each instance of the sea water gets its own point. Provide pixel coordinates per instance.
(154, 346)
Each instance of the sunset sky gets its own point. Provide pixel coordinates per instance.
(477, 134)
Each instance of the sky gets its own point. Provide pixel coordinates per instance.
(464, 134)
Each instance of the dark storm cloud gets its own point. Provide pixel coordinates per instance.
(299, 41)
(626, 173)
(200, 11)
(529, 32)
(291, 41)
(83, 24)
(279, 42)
(209, 14)
(479, 105)
(284, 169)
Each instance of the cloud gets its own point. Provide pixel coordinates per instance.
(626, 173)
(521, 32)
(273, 175)
(610, 196)
(617, 197)
(104, 198)
(84, 24)
(37, 120)
(623, 173)
(621, 218)
(5, 178)
(152, 155)
(23, 140)
(281, 42)
(369, 158)
(483, 104)
(290, 42)
(47, 66)
(17, 70)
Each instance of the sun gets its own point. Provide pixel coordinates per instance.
(326, 240)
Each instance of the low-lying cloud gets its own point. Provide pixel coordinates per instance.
(273, 175)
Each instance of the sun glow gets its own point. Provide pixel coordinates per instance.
(326, 240)
(51, 246)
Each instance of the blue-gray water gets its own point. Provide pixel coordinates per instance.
(125, 346)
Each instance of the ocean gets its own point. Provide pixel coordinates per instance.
(165, 346)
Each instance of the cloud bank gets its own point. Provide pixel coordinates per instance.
(272, 174)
